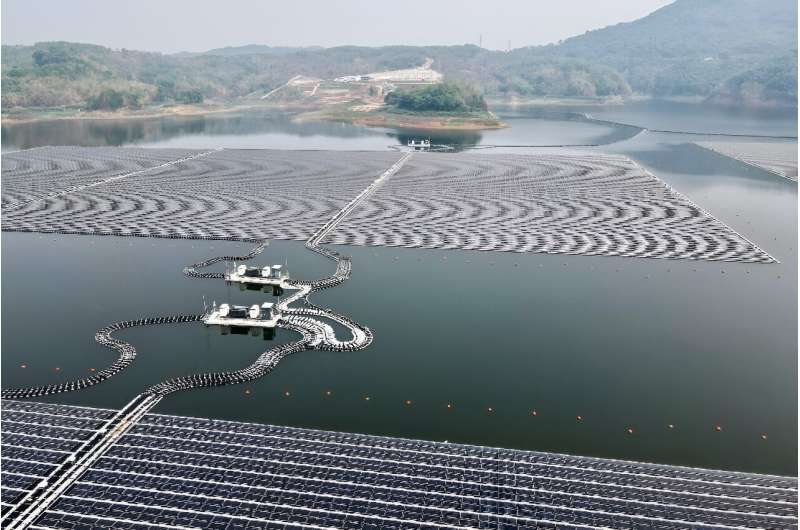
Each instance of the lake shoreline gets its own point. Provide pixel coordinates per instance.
(378, 118)
(302, 114)
(389, 119)
(177, 111)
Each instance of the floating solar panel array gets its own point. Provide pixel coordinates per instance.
(776, 157)
(35, 437)
(50, 171)
(557, 203)
(227, 194)
(177, 472)
(553, 202)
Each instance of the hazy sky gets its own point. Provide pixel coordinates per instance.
(197, 25)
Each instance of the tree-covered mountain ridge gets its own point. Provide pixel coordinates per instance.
(729, 51)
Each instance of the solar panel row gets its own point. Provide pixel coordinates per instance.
(174, 472)
(194, 427)
(54, 408)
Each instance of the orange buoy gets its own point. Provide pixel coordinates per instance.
(534, 412)
(718, 428)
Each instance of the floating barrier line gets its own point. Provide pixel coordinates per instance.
(590, 118)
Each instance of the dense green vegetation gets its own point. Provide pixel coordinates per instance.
(775, 81)
(690, 47)
(443, 97)
(69, 74)
(732, 51)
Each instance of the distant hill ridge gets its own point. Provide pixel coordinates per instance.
(730, 51)
(251, 49)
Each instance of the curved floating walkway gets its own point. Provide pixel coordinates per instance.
(259, 368)
(316, 334)
(127, 353)
(191, 270)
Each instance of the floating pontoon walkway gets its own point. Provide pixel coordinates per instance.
(178, 472)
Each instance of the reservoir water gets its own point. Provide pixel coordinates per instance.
(622, 343)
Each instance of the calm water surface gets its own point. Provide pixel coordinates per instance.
(622, 342)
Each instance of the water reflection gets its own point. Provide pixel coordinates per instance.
(148, 131)
(451, 140)
(530, 127)
(264, 333)
(275, 290)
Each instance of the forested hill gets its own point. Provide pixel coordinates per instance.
(730, 51)
(691, 47)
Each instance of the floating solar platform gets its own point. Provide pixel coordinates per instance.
(49, 171)
(779, 158)
(227, 194)
(179, 472)
(554, 202)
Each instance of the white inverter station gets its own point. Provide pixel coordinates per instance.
(274, 275)
(265, 315)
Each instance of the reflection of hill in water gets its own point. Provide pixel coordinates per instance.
(160, 130)
(128, 131)
(458, 140)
